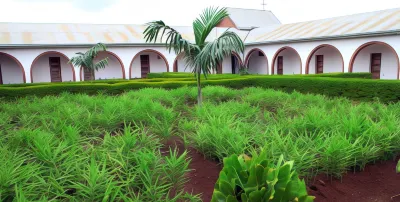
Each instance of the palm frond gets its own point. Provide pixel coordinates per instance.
(173, 41)
(214, 52)
(101, 64)
(96, 49)
(207, 21)
(86, 59)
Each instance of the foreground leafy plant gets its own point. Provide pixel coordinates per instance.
(255, 179)
(55, 147)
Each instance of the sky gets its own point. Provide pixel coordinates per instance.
(174, 12)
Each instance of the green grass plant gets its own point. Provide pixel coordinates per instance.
(78, 147)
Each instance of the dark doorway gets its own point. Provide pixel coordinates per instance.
(55, 69)
(376, 62)
(235, 65)
(280, 65)
(1, 76)
(319, 64)
(145, 65)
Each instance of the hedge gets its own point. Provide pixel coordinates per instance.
(159, 77)
(360, 75)
(230, 76)
(357, 89)
(110, 81)
(182, 75)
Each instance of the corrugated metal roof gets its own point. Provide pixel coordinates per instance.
(74, 34)
(377, 21)
(251, 18)
(65, 34)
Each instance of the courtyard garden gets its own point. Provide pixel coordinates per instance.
(156, 144)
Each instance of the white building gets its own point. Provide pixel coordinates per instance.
(367, 42)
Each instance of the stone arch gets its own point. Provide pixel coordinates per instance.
(17, 62)
(310, 56)
(55, 53)
(371, 43)
(151, 51)
(221, 66)
(281, 50)
(250, 54)
(116, 57)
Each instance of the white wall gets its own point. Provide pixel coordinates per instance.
(126, 54)
(41, 69)
(291, 62)
(157, 64)
(112, 71)
(257, 64)
(346, 46)
(332, 60)
(10, 70)
(389, 63)
(227, 65)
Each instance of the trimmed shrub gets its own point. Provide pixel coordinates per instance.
(190, 75)
(356, 89)
(108, 81)
(359, 75)
(225, 76)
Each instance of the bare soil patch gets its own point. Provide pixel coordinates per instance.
(378, 182)
(204, 172)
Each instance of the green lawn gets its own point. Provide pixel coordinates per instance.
(75, 147)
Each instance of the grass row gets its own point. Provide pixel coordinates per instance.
(353, 88)
(158, 77)
(93, 148)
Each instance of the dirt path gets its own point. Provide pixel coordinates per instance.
(204, 172)
(378, 183)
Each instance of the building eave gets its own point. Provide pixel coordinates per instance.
(336, 37)
(322, 38)
(81, 45)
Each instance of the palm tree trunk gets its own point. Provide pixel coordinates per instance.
(199, 95)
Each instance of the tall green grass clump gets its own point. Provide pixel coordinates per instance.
(108, 148)
(322, 135)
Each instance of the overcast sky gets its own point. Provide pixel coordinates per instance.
(174, 12)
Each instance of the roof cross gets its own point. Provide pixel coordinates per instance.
(263, 4)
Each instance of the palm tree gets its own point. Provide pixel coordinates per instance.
(85, 60)
(203, 56)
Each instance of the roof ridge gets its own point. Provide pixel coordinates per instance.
(247, 9)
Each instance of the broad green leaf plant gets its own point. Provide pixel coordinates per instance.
(202, 55)
(86, 60)
(256, 180)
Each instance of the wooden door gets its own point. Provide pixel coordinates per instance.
(376, 62)
(176, 66)
(319, 64)
(280, 65)
(145, 65)
(1, 76)
(219, 69)
(88, 74)
(55, 69)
